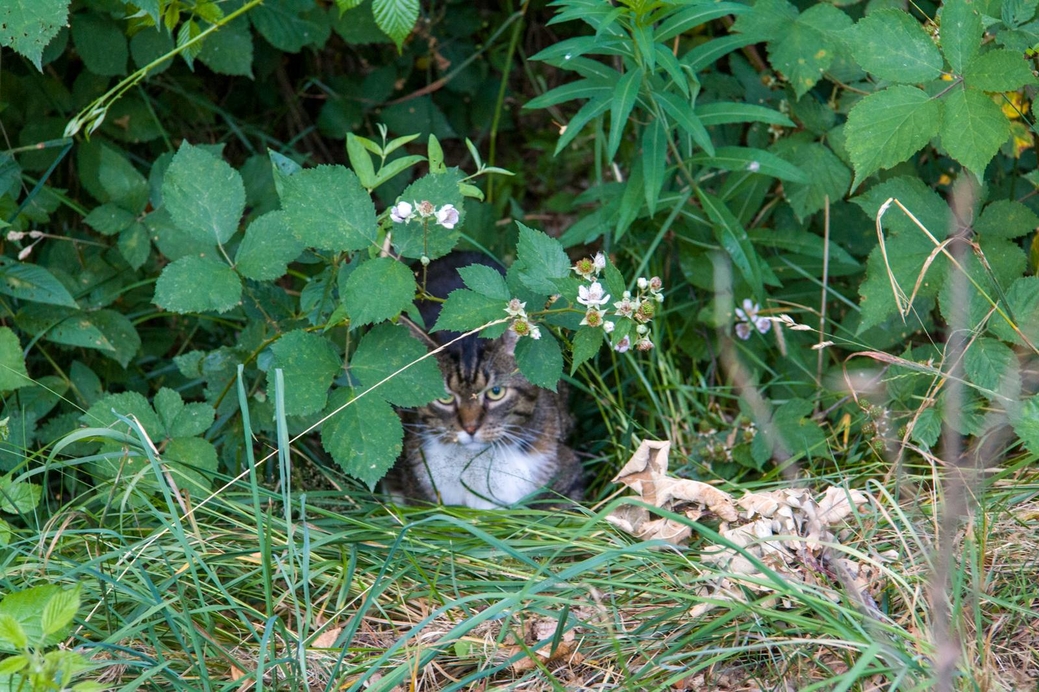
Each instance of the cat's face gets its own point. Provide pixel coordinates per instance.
(486, 399)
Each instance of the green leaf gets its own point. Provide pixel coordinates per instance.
(889, 126)
(999, 71)
(435, 154)
(396, 18)
(1014, 13)
(798, 432)
(25, 608)
(308, 363)
(924, 203)
(109, 219)
(13, 374)
(193, 462)
(1006, 219)
(59, 610)
(589, 111)
(327, 208)
(33, 283)
(753, 161)
(123, 183)
(624, 95)
(204, 195)
(198, 284)
(267, 248)
(134, 245)
(180, 419)
(365, 437)
(101, 43)
(396, 166)
(465, 310)
(587, 342)
(804, 51)
(689, 18)
(12, 636)
(540, 260)
(733, 239)
(360, 160)
(1022, 307)
(194, 419)
(149, 45)
(425, 236)
(724, 112)
(28, 26)
(1026, 424)
(828, 176)
(11, 664)
(128, 404)
(682, 113)
(105, 330)
(540, 360)
(706, 54)
(386, 349)
(927, 427)
(907, 254)
(961, 32)
(230, 50)
(767, 19)
(18, 497)
(973, 128)
(10, 174)
(168, 404)
(289, 25)
(654, 162)
(894, 47)
(117, 331)
(988, 362)
(379, 289)
(485, 280)
(581, 89)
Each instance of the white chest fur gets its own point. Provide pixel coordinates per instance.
(478, 476)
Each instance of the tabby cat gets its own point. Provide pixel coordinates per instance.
(493, 439)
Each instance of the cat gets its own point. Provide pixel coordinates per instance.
(493, 439)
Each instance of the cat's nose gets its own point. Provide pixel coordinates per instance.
(470, 427)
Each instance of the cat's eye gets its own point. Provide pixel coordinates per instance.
(446, 400)
(495, 393)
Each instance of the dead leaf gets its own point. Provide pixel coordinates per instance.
(784, 529)
(327, 639)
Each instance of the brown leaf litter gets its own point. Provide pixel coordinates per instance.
(785, 530)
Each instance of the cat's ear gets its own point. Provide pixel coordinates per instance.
(509, 338)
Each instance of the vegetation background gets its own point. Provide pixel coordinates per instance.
(200, 355)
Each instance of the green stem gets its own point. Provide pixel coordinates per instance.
(99, 107)
(499, 106)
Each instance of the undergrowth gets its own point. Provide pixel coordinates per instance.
(215, 214)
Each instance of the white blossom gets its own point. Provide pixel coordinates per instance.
(594, 318)
(608, 326)
(626, 307)
(599, 262)
(515, 308)
(592, 296)
(447, 216)
(623, 345)
(585, 268)
(747, 317)
(401, 212)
